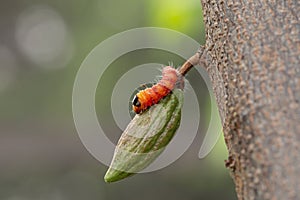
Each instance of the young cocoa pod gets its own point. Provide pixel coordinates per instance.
(145, 137)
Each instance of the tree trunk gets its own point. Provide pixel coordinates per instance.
(252, 52)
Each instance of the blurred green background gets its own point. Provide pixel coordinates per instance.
(42, 45)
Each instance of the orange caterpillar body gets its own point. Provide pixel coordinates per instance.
(150, 96)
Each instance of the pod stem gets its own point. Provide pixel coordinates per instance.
(194, 60)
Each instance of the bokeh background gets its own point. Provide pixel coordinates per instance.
(42, 44)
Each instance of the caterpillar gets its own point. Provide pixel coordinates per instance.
(150, 96)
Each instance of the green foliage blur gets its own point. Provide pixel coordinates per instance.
(41, 155)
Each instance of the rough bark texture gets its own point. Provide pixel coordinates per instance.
(253, 55)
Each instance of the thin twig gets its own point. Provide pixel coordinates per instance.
(192, 61)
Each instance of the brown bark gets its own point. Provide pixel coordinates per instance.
(252, 52)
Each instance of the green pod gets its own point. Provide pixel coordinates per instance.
(145, 137)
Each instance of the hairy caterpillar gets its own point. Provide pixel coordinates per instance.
(150, 96)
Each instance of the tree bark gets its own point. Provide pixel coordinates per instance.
(252, 53)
